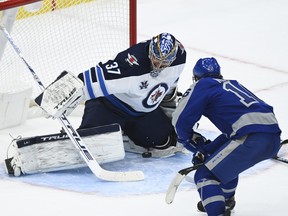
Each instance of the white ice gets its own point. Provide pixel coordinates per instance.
(249, 40)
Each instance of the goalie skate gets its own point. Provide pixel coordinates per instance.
(12, 167)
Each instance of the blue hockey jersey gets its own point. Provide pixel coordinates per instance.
(233, 109)
(126, 80)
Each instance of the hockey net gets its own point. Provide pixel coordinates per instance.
(57, 35)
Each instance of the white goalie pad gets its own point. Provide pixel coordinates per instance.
(62, 96)
(56, 152)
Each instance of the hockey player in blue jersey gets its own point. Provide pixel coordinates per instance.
(250, 134)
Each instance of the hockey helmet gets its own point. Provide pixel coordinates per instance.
(206, 67)
(162, 52)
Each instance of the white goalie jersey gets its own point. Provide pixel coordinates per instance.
(127, 80)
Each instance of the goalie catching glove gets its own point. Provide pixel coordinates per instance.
(170, 101)
(62, 96)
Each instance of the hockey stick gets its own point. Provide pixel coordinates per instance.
(170, 194)
(281, 159)
(75, 137)
(181, 174)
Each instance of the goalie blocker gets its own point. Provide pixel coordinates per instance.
(55, 152)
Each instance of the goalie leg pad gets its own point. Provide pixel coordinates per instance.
(56, 152)
(130, 146)
(62, 96)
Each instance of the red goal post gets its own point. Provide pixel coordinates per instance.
(57, 35)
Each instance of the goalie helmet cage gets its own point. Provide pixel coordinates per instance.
(58, 35)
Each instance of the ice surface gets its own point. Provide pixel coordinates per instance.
(249, 39)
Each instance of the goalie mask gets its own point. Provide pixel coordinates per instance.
(162, 52)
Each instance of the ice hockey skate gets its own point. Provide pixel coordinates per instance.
(229, 203)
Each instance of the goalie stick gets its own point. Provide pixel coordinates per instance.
(170, 194)
(281, 159)
(75, 137)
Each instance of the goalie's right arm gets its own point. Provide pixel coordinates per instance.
(170, 101)
(62, 96)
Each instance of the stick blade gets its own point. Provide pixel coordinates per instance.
(121, 176)
(170, 194)
(181, 174)
(107, 175)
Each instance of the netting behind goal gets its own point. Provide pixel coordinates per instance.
(57, 35)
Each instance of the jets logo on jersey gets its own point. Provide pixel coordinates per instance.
(155, 95)
(132, 60)
(144, 85)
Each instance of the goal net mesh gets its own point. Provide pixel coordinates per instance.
(59, 35)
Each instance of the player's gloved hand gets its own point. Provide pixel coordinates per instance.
(189, 145)
(199, 157)
(199, 139)
(196, 143)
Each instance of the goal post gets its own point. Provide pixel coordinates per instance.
(58, 35)
(4, 5)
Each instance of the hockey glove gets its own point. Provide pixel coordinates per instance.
(199, 139)
(171, 99)
(189, 145)
(196, 143)
(199, 157)
(62, 96)
(170, 102)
